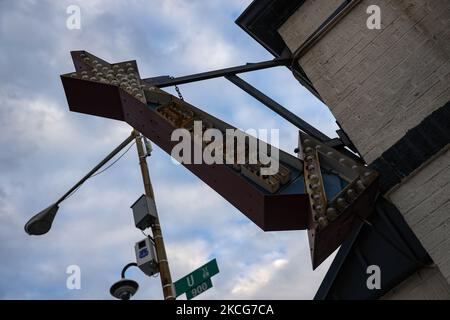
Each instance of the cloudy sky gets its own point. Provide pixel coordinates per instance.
(45, 148)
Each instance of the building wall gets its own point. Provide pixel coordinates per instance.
(314, 12)
(378, 83)
(381, 83)
(424, 200)
(425, 284)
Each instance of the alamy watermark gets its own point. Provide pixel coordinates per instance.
(74, 279)
(73, 21)
(213, 146)
(374, 20)
(374, 280)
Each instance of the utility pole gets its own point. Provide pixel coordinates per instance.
(164, 271)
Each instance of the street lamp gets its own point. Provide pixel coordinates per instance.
(124, 289)
(42, 222)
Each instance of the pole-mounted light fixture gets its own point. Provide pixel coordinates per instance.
(124, 289)
(42, 222)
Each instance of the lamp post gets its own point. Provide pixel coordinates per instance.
(42, 222)
(164, 271)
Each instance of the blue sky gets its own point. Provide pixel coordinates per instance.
(45, 148)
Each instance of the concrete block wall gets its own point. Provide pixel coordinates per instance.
(426, 284)
(314, 12)
(424, 201)
(381, 83)
(378, 83)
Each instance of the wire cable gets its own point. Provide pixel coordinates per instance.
(114, 162)
(71, 194)
(96, 174)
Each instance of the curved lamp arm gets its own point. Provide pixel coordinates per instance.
(131, 264)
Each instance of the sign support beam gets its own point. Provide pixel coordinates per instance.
(278, 108)
(166, 81)
(230, 75)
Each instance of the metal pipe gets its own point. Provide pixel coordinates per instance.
(98, 166)
(164, 271)
(131, 264)
(166, 81)
(279, 109)
(326, 26)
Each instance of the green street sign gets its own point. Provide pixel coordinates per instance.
(196, 277)
(202, 287)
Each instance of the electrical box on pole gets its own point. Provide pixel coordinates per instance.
(146, 256)
(148, 147)
(144, 212)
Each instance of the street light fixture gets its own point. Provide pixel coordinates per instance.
(42, 222)
(124, 289)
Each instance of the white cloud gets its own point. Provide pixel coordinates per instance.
(46, 149)
(186, 256)
(257, 277)
(199, 43)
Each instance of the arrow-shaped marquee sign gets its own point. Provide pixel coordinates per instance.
(116, 91)
(287, 200)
